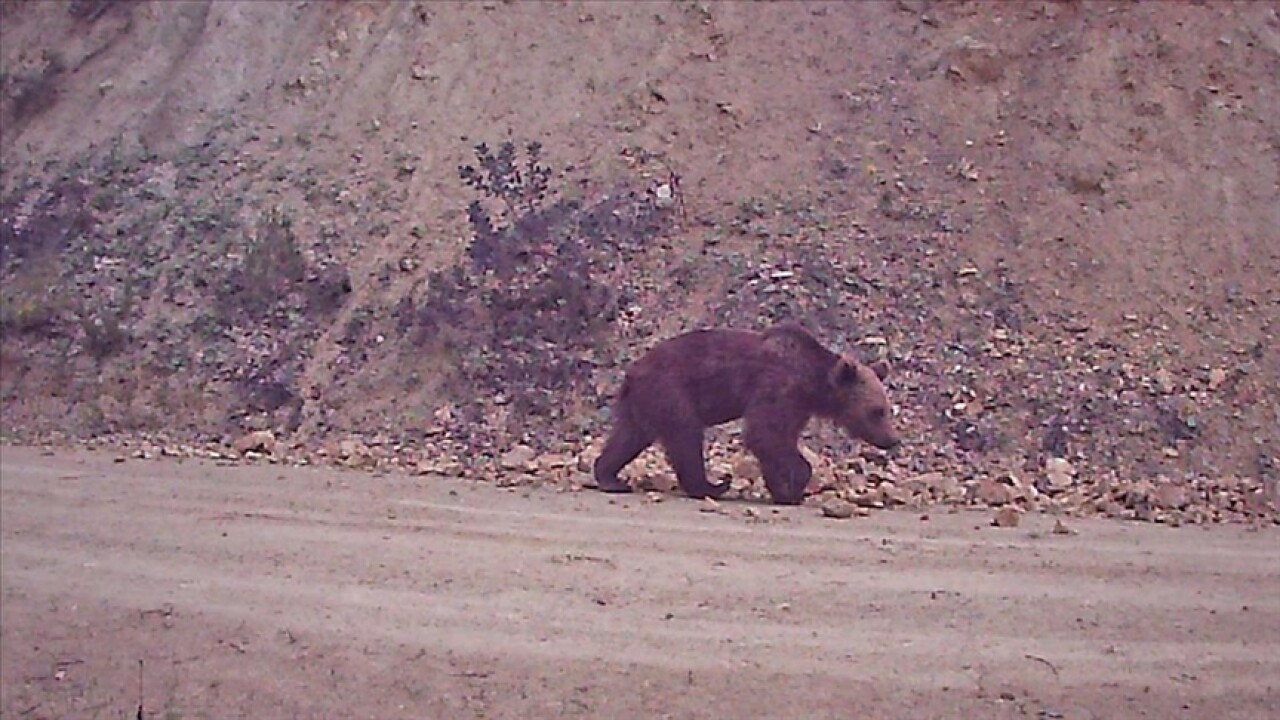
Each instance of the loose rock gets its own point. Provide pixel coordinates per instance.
(837, 508)
(262, 441)
(1217, 377)
(891, 494)
(1170, 497)
(993, 494)
(976, 60)
(1059, 475)
(519, 458)
(1007, 517)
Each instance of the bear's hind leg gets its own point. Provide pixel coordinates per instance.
(625, 444)
(683, 445)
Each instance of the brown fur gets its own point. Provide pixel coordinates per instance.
(775, 380)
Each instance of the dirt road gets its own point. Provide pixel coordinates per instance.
(268, 592)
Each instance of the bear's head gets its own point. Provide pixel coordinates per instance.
(861, 402)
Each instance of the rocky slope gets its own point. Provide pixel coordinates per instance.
(432, 235)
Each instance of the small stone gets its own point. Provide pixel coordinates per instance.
(866, 499)
(1139, 494)
(1007, 517)
(519, 457)
(975, 60)
(1217, 376)
(891, 494)
(262, 441)
(745, 467)
(1027, 494)
(1171, 497)
(350, 448)
(509, 480)
(1060, 528)
(664, 196)
(949, 489)
(853, 485)
(923, 484)
(1059, 474)
(709, 505)
(555, 461)
(1111, 509)
(654, 480)
(427, 466)
(837, 508)
(993, 493)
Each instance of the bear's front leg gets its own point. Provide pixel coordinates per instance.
(771, 434)
(786, 475)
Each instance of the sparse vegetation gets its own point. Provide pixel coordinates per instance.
(22, 313)
(28, 93)
(270, 268)
(241, 298)
(889, 223)
(529, 313)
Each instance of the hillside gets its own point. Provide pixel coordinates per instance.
(1057, 219)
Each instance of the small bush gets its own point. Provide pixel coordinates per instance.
(274, 284)
(60, 216)
(27, 315)
(104, 334)
(271, 268)
(531, 308)
(30, 93)
(30, 303)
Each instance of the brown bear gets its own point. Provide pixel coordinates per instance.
(775, 380)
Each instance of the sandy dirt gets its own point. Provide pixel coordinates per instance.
(273, 592)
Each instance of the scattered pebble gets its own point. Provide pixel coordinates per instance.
(837, 508)
(1007, 517)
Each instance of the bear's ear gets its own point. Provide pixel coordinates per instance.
(881, 368)
(844, 374)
